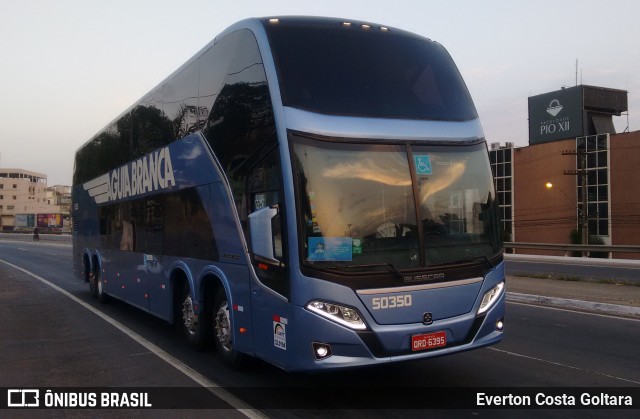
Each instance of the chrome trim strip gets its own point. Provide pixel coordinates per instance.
(381, 128)
(420, 287)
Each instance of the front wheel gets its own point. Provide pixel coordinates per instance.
(223, 332)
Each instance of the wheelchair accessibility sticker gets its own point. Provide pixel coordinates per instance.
(423, 164)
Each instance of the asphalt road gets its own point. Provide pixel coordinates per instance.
(49, 338)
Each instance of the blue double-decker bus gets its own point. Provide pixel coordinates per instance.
(312, 192)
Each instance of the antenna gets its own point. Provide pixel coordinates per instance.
(627, 128)
(576, 71)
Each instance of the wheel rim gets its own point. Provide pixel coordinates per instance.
(223, 327)
(99, 285)
(92, 281)
(188, 316)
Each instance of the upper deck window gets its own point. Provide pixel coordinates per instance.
(353, 70)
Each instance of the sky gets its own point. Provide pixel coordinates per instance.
(69, 67)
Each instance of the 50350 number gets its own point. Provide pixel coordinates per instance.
(393, 301)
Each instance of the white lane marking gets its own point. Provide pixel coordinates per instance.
(213, 387)
(559, 364)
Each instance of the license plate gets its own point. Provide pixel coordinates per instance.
(428, 341)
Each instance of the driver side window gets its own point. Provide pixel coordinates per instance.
(263, 187)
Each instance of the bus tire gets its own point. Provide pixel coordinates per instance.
(223, 332)
(193, 327)
(93, 284)
(99, 291)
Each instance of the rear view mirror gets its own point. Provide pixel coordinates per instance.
(263, 242)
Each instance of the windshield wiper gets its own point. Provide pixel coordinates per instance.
(387, 265)
(484, 257)
(460, 261)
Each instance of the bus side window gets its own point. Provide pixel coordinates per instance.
(263, 190)
(263, 183)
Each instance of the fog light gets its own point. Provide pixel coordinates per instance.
(321, 350)
(500, 325)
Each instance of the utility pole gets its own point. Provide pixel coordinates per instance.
(582, 172)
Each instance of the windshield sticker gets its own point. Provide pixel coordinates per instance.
(423, 164)
(259, 201)
(313, 222)
(357, 246)
(330, 249)
(316, 228)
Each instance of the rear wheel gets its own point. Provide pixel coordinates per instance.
(193, 326)
(223, 332)
(89, 276)
(100, 294)
(93, 285)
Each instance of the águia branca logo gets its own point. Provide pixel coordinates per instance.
(150, 173)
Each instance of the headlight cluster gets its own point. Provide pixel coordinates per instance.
(490, 297)
(343, 315)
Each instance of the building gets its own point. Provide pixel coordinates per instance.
(26, 202)
(575, 173)
(573, 112)
(60, 195)
(501, 159)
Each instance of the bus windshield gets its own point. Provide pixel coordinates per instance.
(361, 204)
(350, 70)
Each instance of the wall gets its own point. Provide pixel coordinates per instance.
(544, 215)
(625, 191)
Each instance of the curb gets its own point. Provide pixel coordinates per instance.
(579, 305)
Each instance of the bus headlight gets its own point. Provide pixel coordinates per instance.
(490, 297)
(346, 316)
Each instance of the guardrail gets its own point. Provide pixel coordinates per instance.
(574, 247)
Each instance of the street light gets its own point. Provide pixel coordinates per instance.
(549, 185)
(582, 216)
